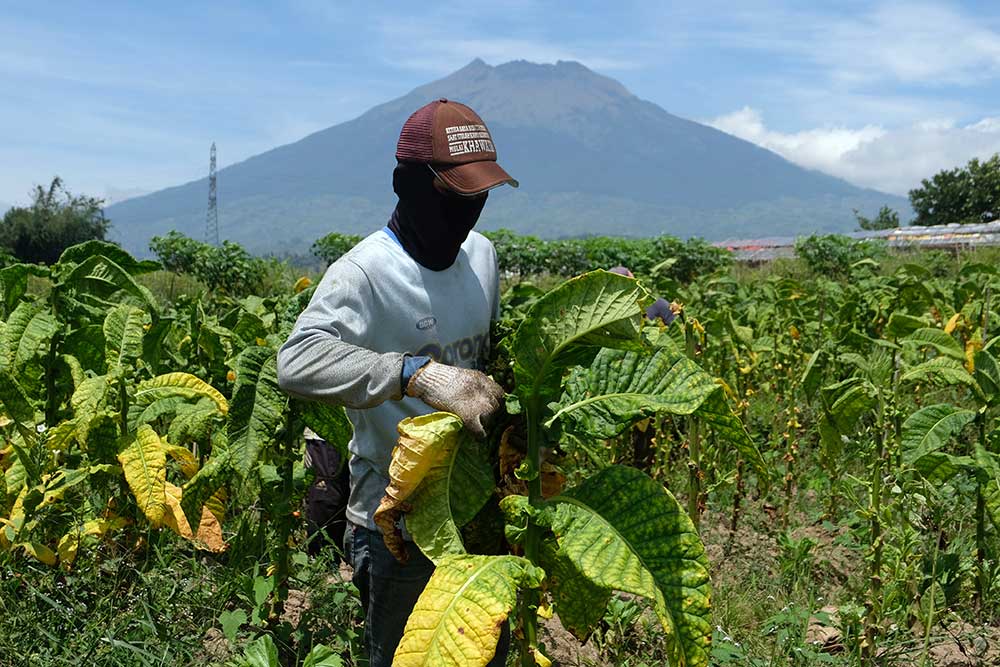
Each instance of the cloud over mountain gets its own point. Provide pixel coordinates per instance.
(893, 160)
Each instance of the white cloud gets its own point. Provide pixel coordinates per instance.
(871, 156)
(912, 42)
(926, 42)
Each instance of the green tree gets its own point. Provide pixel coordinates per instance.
(886, 219)
(963, 195)
(228, 268)
(55, 220)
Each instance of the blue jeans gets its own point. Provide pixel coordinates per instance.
(389, 590)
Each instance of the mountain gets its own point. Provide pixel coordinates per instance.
(592, 158)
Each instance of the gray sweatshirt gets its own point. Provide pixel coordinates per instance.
(374, 305)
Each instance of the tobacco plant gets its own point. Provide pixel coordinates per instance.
(104, 440)
(586, 368)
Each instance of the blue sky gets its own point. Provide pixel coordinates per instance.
(123, 98)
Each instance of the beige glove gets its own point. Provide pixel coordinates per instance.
(467, 393)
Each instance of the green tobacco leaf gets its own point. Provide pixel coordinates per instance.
(848, 408)
(812, 377)
(87, 345)
(989, 473)
(124, 328)
(210, 478)
(74, 368)
(900, 325)
(26, 335)
(14, 284)
(99, 436)
(193, 422)
(624, 531)
(165, 393)
(144, 462)
(942, 371)
(987, 375)
(96, 284)
(328, 422)
(580, 604)
(446, 485)
(89, 400)
(568, 325)
(458, 617)
(939, 467)
(257, 409)
(13, 401)
(929, 429)
(81, 251)
(472, 481)
(623, 387)
(938, 340)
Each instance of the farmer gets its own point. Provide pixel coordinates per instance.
(397, 328)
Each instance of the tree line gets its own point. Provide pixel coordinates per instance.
(57, 219)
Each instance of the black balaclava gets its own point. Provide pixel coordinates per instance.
(430, 225)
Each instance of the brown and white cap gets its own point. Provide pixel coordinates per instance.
(454, 141)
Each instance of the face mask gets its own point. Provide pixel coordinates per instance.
(431, 225)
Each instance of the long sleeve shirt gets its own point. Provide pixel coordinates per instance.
(373, 306)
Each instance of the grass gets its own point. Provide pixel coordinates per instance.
(161, 604)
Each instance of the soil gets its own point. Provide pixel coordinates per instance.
(297, 604)
(215, 648)
(563, 648)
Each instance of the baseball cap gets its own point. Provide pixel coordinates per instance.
(453, 140)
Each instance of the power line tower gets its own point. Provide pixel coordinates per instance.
(212, 217)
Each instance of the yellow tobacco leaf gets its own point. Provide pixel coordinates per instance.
(540, 658)
(183, 384)
(68, 546)
(209, 535)
(40, 552)
(793, 331)
(422, 440)
(186, 459)
(13, 523)
(974, 345)
(952, 323)
(144, 462)
(174, 517)
(458, 617)
(726, 388)
(301, 284)
(101, 527)
(216, 504)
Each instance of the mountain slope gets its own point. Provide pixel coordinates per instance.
(591, 157)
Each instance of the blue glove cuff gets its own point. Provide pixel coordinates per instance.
(410, 366)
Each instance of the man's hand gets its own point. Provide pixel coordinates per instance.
(469, 394)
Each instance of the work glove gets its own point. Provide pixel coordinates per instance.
(467, 393)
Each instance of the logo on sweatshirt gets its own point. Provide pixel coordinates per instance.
(426, 323)
(468, 352)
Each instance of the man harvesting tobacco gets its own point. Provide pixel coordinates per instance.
(397, 328)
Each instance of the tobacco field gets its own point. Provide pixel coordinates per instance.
(794, 464)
